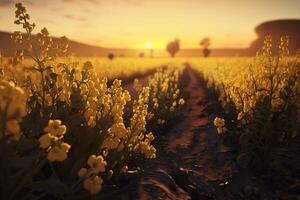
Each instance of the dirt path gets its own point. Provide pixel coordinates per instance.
(191, 161)
(130, 87)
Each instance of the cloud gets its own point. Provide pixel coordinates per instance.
(77, 1)
(5, 2)
(48, 21)
(73, 17)
(126, 33)
(134, 2)
(93, 1)
(29, 2)
(97, 2)
(25, 2)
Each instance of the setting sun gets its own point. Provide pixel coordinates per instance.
(128, 23)
(149, 45)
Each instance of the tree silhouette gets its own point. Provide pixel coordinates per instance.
(205, 42)
(110, 56)
(173, 47)
(141, 55)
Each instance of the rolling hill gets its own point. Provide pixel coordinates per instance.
(276, 28)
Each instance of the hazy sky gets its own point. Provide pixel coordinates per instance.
(132, 23)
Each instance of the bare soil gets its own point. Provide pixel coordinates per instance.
(192, 162)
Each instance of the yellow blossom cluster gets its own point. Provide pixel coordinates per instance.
(85, 90)
(117, 135)
(220, 125)
(12, 109)
(138, 140)
(246, 81)
(104, 126)
(103, 108)
(52, 143)
(44, 49)
(164, 94)
(126, 66)
(260, 97)
(146, 147)
(91, 181)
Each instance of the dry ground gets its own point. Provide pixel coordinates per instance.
(191, 163)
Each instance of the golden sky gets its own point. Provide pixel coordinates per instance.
(135, 23)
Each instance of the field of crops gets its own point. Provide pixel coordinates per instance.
(197, 128)
(260, 101)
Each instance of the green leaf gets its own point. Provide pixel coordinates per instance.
(52, 186)
(244, 139)
(76, 119)
(244, 159)
(31, 69)
(26, 144)
(22, 162)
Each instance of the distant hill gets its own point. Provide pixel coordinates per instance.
(8, 47)
(276, 28)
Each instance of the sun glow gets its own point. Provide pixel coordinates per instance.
(149, 45)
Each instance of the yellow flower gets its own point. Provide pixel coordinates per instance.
(82, 172)
(155, 106)
(117, 110)
(97, 164)
(240, 116)
(12, 98)
(161, 121)
(181, 101)
(46, 140)
(111, 143)
(150, 136)
(55, 128)
(92, 121)
(58, 153)
(93, 184)
(147, 149)
(16, 108)
(119, 130)
(110, 174)
(174, 104)
(219, 122)
(13, 128)
(57, 150)
(88, 113)
(150, 153)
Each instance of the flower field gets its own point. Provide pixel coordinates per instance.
(188, 127)
(260, 99)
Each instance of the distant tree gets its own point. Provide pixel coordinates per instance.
(205, 42)
(110, 56)
(151, 53)
(121, 55)
(173, 47)
(141, 55)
